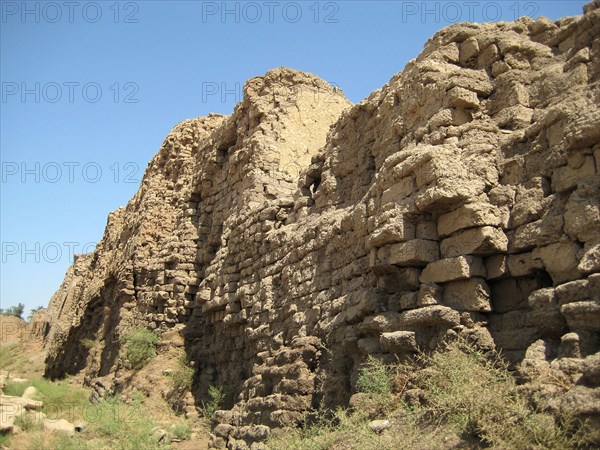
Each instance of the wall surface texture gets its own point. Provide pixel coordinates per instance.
(290, 240)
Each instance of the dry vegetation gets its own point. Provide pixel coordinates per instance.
(456, 397)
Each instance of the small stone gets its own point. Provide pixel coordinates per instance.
(159, 433)
(30, 393)
(378, 426)
(59, 426)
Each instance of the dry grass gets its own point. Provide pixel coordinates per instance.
(12, 358)
(468, 399)
(477, 395)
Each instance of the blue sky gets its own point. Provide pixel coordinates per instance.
(90, 89)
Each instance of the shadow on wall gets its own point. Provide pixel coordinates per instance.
(98, 324)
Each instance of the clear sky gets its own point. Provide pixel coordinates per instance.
(90, 89)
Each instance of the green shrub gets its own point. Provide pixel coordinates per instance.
(61, 399)
(140, 347)
(181, 430)
(137, 396)
(27, 422)
(4, 438)
(217, 396)
(123, 426)
(15, 388)
(374, 378)
(63, 441)
(183, 376)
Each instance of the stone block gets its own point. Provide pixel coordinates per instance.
(582, 315)
(488, 56)
(59, 426)
(591, 368)
(549, 322)
(475, 241)
(529, 200)
(509, 94)
(514, 341)
(402, 189)
(496, 267)
(514, 117)
(398, 342)
(499, 67)
(521, 265)
(363, 305)
(576, 291)
(525, 237)
(429, 294)
(590, 261)
(417, 252)
(396, 279)
(431, 170)
(398, 230)
(566, 178)
(429, 316)
(582, 214)
(469, 51)
(544, 298)
(459, 97)
(380, 323)
(427, 230)
(409, 300)
(561, 261)
(444, 197)
(468, 216)
(452, 269)
(468, 295)
(569, 346)
(550, 229)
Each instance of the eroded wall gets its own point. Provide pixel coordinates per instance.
(462, 198)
